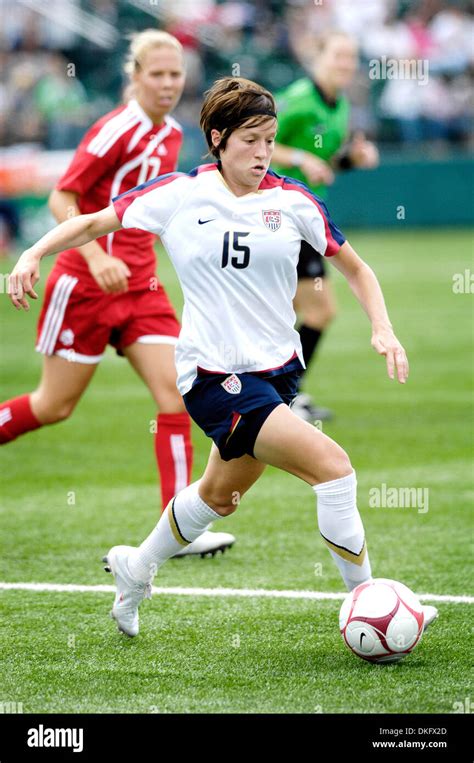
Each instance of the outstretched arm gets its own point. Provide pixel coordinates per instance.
(110, 273)
(72, 233)
(365, 286)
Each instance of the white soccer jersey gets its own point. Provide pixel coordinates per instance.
(236, 259)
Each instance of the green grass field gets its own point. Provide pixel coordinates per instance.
(60, 652)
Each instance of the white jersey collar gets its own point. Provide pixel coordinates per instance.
(134, 106)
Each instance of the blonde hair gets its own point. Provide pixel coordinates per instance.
(142, 42)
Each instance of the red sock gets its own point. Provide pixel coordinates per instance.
(174, 453)
(16, 418)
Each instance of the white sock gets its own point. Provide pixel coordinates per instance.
(342, 529)
(183, 520)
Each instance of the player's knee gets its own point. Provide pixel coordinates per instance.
(321, 318)
(222, 503)
(64, 410)
(330, 313)
(313, 321)
(224, 509)
(59, 412)
(172, 406)
(338, 464)
(51, 411)
(334, 464)
(169, 400)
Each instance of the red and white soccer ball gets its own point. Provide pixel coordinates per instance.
(381, 621)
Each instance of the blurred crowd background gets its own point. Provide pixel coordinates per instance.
(62, 64)
(41, 100)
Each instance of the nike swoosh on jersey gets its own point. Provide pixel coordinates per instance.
(203, 222)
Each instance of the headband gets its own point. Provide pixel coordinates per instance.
(256, 110)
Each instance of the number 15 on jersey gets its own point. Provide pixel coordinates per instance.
(240, 260)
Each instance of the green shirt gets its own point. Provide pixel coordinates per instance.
(308, 122)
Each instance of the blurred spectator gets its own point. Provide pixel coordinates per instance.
(61, 102)
(269, 40)
(249, 40)
(41, 102)
(360, 19)
(452, 32)
(437, 39)
(22, 121)
(23, 28)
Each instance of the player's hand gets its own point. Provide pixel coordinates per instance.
(111, 274)
(386, 343)
(316, 170)
(22, 280)
(363, 153)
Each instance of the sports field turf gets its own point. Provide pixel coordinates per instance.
(60, 652)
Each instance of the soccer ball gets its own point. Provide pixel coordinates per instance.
(381, 621)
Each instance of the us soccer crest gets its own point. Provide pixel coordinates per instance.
(272, 218)
(232, 384)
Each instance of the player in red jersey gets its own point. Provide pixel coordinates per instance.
(106, 292)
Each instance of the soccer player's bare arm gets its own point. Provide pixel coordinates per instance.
(63, 205)
(365, 286)
(109, 272)
(72, 233)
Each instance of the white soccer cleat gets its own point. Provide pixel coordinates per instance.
(430, 613)
(208, 543)
(130, 592)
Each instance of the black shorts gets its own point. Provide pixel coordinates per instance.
(231, 408)
(310, 264)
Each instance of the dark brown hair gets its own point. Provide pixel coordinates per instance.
(231, 102)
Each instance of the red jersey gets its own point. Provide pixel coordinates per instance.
(120, 151)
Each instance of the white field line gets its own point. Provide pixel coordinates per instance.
(223, 592)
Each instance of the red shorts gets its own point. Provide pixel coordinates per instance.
(78, 327)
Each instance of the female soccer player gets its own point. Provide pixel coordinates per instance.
(313, 124)
(106, 291)
(233, 231)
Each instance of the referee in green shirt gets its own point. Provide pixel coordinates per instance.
(313, 127)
